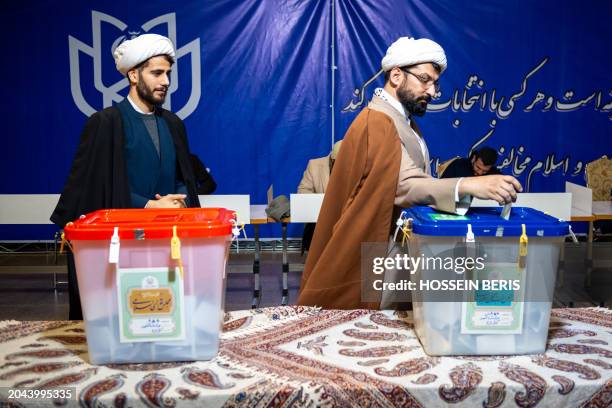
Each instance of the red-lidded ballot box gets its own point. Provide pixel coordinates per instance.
(152, 282)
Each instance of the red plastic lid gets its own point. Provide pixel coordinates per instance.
(152, 223)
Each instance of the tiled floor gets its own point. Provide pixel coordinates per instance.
(26, 282)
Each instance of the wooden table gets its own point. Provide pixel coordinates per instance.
(259, 217)
(602, 210)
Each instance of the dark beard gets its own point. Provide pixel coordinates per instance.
(147, 95)
(413, 105)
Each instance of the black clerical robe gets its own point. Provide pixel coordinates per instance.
(98, 178)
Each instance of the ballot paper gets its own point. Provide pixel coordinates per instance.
(505, 214)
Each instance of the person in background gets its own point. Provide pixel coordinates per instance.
(480, 163)
(315, 181)
(316, 175)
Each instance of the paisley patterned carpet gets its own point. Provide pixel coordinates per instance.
(306, 357)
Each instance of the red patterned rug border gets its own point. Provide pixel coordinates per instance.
(26, 328)
(601, 397)
(295, 329)
(596, 316)
(262, 353)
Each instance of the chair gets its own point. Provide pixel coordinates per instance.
(599, 178)
(442, 166)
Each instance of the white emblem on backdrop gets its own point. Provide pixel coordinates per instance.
(110, 93)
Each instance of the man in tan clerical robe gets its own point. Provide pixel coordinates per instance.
(383, 167)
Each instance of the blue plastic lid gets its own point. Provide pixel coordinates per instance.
(486, 221)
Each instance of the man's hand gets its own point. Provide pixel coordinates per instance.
(167, 201)
(496, 187)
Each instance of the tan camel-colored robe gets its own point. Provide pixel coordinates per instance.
(374, 170)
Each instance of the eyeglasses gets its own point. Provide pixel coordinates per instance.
(425, 80)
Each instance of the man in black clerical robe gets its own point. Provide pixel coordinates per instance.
(132, 155)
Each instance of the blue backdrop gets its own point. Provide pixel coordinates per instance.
(255, 85)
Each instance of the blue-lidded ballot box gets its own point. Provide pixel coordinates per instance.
(484, 284)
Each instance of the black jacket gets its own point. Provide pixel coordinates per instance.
(205, 184)
(98, 177)
(462, 167)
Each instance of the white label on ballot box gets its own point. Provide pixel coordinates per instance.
(488, 318)
(496, 307)
(148, 326)
(151, 304)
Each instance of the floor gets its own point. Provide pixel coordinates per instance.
(27, 273)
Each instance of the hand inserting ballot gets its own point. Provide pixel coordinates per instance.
(500, 188)
(167, 201)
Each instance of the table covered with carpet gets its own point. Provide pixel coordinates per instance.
(305, 357)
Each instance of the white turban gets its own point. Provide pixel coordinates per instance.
(408, 51)
(132, 52)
